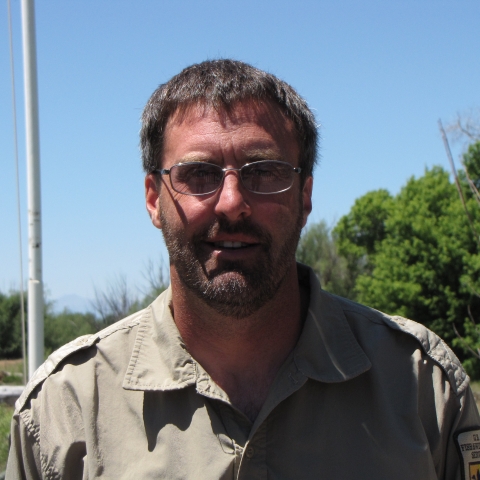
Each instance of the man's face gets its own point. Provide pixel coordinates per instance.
(233, 248)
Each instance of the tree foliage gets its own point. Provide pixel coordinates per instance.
(63, 327)
(317, 248)
(419, 265)
(471, 163)
(359, 233)
(10, 326)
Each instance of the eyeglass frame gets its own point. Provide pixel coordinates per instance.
(166, 171)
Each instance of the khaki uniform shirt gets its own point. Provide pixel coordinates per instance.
(362, 396)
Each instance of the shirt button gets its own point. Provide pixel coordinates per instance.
(250, 451)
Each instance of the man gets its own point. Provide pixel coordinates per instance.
(244, 368)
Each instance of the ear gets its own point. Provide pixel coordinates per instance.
(307, 199)
(152, 197)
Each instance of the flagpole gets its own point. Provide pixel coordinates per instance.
(35, 282)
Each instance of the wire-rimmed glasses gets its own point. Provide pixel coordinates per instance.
(202, 178)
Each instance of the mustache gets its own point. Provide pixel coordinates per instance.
(245, 226)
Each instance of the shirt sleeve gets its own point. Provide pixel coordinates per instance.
(24, 456)
(467, 417)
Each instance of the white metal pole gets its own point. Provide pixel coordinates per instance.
(35, 283)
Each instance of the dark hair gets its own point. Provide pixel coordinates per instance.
(222, 84)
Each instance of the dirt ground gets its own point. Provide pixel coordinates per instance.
(11, 372)
(11, 365)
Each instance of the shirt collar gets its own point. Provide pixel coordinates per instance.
(159, 360)
(326, 351)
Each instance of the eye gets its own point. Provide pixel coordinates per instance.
(261, 171)
(196, 177)
(202, 171)
(267, 170)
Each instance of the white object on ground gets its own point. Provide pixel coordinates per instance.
(10, 393)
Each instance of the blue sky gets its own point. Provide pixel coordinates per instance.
(378, 75)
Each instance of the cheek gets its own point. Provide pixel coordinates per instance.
(185, 211)
(281, 209)
(277, 218)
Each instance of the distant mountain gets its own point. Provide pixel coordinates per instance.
(73, 303)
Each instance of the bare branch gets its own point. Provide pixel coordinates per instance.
(476, 354)
(466, 126)
(457, 180)
(114, 303)
(156, 276)
(470, 315)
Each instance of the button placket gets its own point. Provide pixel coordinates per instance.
(238, 459)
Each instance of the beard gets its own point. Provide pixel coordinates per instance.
(232, 288)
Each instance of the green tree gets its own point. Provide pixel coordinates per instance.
(317, 248)
(10, 326)
(359, 233)
(64, 327)
(471, 162)
(470, 338)
(419, 264)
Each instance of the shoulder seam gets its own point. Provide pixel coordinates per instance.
(80, 343)
(438, 352)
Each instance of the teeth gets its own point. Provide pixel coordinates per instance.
(230, 244)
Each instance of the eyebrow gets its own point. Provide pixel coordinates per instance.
(251, 155)
(194, 157)
(263, 154)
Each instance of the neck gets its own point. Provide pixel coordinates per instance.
(241, 355)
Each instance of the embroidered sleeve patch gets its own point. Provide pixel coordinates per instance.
(468, 446)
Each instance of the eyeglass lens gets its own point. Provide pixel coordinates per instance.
(197, 178)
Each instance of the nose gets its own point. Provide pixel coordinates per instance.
(232, 198)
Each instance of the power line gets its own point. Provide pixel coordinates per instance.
(19, 216)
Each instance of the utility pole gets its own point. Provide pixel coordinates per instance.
(35, 282)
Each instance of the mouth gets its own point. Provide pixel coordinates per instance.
(231, 249)
(231, 245)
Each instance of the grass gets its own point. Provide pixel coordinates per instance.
(11, 372)
(6, 413)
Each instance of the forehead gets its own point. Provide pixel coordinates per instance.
(202, 131)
